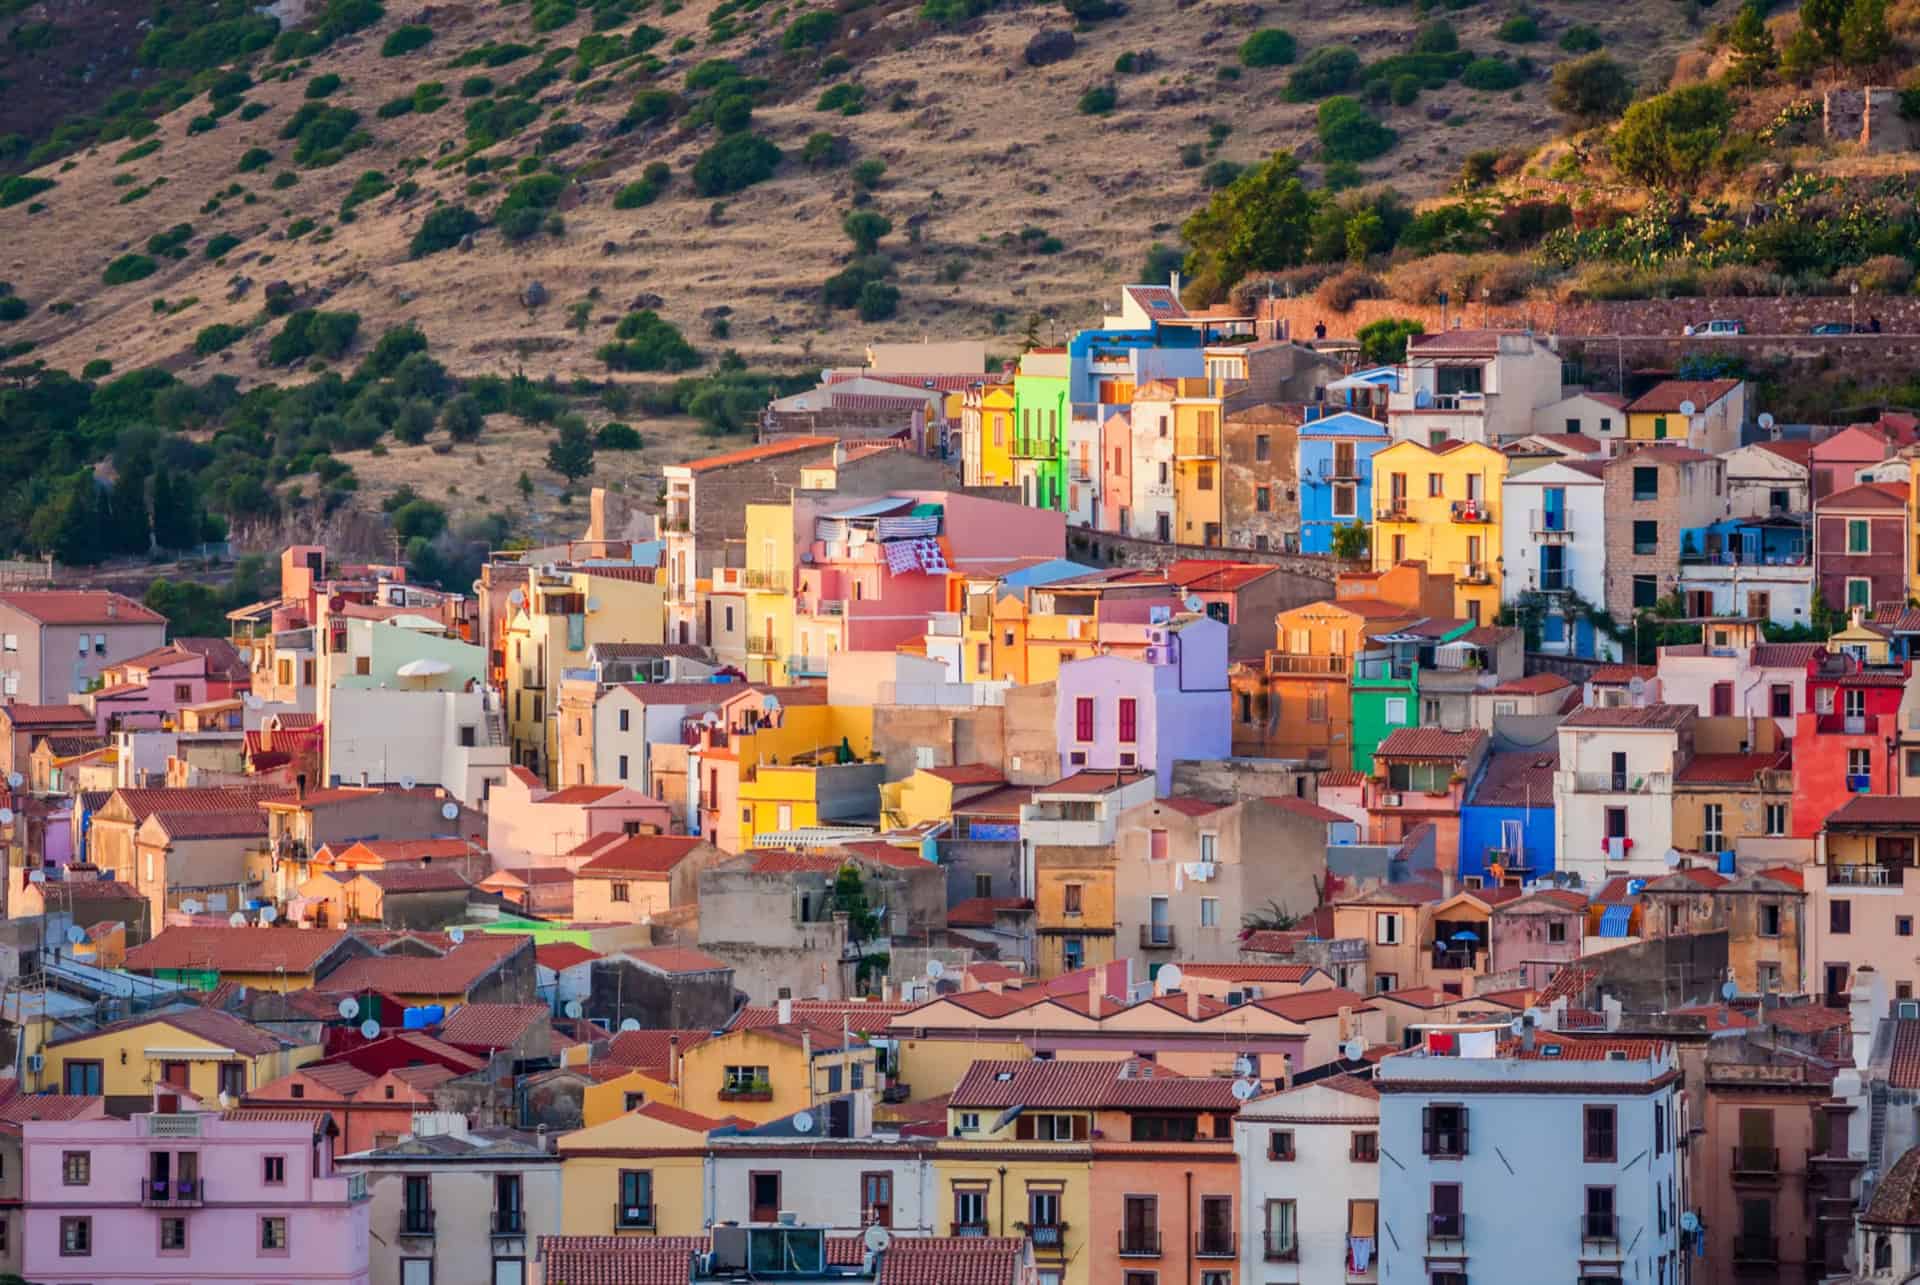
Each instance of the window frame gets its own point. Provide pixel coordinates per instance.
(1600, 1133)
(82, 1224)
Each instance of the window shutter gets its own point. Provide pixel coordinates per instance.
(1023, 1128)
(1426, 1131)
(1463, 1131)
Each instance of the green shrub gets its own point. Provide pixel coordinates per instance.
(1219, 174)
(1590, 89)
(369, 185)
(646, 190)
(216, 337)
(137, 151)
(1671, 137)
(810, 30)
(253, 111)
(1349, 132)
(404, 40)
(1437, 37)
(1404, 90)
(311, 333)
(21, 187)
(218, 245)
(490, 120)
(395, 107)
(868, 173)
(1098, 101)
(323, 85)
(735, 162)
(1580, 39)
(844, 288)
(443, 229)
(823, 148)
(651, 105)
(646, 341)
(558, 137)
(712, 72)
(1520, 29)
(1384, 342)
(1268, 47)
(476, 87)
(1492, 75)
(252, 159)
(618, 437)
(551, 15)
(643, 38)
(172, 243)
(1327, 70)
(98, 368)
(128, 268)
(878, 301)
(847, 98)
(283, 180)
(13, 308)
(324, 134)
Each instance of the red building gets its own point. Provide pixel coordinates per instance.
(1844, 743)
(1860, 546)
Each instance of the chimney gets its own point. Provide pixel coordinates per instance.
(1446, 884)
(1193, 1005)
(673, 1060)
(113, 607)
(1526, 1033)
(1096, 1000)
(786, 1011)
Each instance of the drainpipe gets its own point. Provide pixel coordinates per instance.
(1189, 1220)
(1003, 1200)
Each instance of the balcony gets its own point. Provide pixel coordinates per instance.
(1156, 936)
(1218, 1243)
(1036, 446)
(1473, 573)
(1752, 1248)
(1598, 1231)
(1051, 1237)
(181, 1193)
(762, 646)
(970, 1229)
(807, 666)
(1622, 782)
(1446, 1227)
(1283, 1248)
(509, 1222)
(1396, 509)
(1471, 511)
(674, 522)
(1756, 1165)
(1080, 473)
(774, 580)
(1547, 525)
(1282, 662)
(1841, 724)
(758, 1091)
(1455, 957)
(1559, 580)
(1196, 444)
(1385, 671)
(416, 1223)
(1865, 874)
(823, 607)
(1139, 1242)
(633, 1217)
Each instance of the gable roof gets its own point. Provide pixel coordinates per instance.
(1666, 717)
(559, 955)
(1517, 779)
(676, 959)
(237, 950)
(495, 1026)
(450, 974)
(651, 856)
(209, 1024)
(753, 454)
(80, 607)
(1867, 495)
(56, 715)
(1121, 1085)
(1669, 393)
(144, 802)
(1431, 742)
(652, 1049)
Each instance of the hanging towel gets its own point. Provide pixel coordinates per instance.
(1179, 877)
(1477, 1043)
(932, 560)
(902, 555)
(1359, 1253)
(1440, 1041)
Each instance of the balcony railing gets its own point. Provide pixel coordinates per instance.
(416, 1222)
(1283, 1248)
(1156, 937)
(758, 1092)
(1752, 1248)
(509, 1222)
(1866, 874)
(1395, 509)
(755, 579)
(1599, 1229)
(762, 646)
(1841, 724)
(1446, 1227)
(633, 1217)
(1454, 957)
(1622, 782)
(1282, 662)
(1385, 671)
(1219, 1243)
(970, 1229)
(1047, 1235)
(1081, 473)
(1139, 1242)
(1036, 446)
(1196, 444)
(807, 666)
(1544, 523)
(1473, 572)
(1556, 581)
(1756, 1162)
(824, 607)
(180, 1193)
(1472, 511)
(672, 523)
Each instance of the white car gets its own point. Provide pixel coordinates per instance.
(1717, 328)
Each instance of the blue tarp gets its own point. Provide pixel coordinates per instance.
(1614, 920)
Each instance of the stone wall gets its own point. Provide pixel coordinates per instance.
(1310, 572)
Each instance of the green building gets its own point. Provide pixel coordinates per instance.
(1385, 685)
(1040, 414)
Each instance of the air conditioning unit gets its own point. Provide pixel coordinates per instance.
(1153, 655)
(36, 1063)
(1389, 800)
(1907, 1008)
(1236, 998)
(1127, 758)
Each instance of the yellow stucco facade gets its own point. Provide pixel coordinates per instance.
(771, 558)
(1443, 508)
(134, 1060)
(996, 1177)
(551, 631)
(759, 1074)
(666, 1194)
(1073, 902)
(613, 1098)
(995, 451)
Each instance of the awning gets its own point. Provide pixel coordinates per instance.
(1614, 921)
(423, 668)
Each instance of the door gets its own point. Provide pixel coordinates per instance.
(1619, 773)
(1161, 933)
(876, 1199)
(160, 1173)
(1756, 1141)
(188, 1177)
(763, 1194)
(417, 1206)
(1723, 700)
(1163, 526)
(174, 1073)
(1837, 990)
(1583, 637)
(1553, 500)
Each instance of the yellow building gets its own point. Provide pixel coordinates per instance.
(758, 777)
(638, 1174)
(200, 1051)
(986, 419)
(1073, 901)
(1443, 507)
(771, 558)
(763, 1073)
(1195, 408)
(1702, 413)
(610, 1099)
(930, 794)
(555, 620)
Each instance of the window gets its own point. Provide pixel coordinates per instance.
(621, 892)
(1263, 499)
(1386, 929)
(1839, 917)
(1659, 1128)
(983, 885)
(969, 1122)
(1443, 1131)
(1073, 953)
(1556, 931)
(1776, 819)
(1445, 1220)
(969, 1207)
(1385, 983)
(76, 1168)
(834, 1074)
(173, 1235)
(1282, 1241)
(1203, 477)
(1646, 592)
(1216, 1226)
(1600, 1135)
(1280, 1145)
(1396, 710)
(634, 1101)
(1129, 720)
(1043, 1211)
(1713, 839)
(1780, 700)
(82, 1078)
(76, 1237)
(1616, 823)
(1770, 919)
(1599, 1219)
(1083, 718)
(636, 1198)
(746, 1079)
(1343, 499)
(273, 1235)
(1903, 925)
(1859, 762)
(1859, 536)
(273, 1170)
(1262, 447)
(1209, 912)
(1859, 592)
(1365, 1147)
(1436, 486)
(1646, 484)
(1070, 898)
(1159, 929)
(1646, 538)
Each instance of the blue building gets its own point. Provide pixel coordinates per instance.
(1507, 820)
(1335, 466)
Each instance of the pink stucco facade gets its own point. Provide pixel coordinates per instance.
(1180, 703)
(137, 696)
(262, 1201)
(1116, 448)
(530, 825)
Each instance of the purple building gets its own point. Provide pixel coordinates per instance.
(248, 1194)
(1172, 702)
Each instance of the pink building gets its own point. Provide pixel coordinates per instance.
(193, 1195)
(530, 825)
(873, 572)
(1119, 712)
(144, 691)
(1116, 448)
(1836, 461)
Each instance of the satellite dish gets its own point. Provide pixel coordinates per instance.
(1194, 603)
(574, 1009)
(1170, 977)
(711, 720)
(876, 1238)
(1766, 419)
(803, 1122)
(1689, 1221)
(407, 782)
(1729, 988)
(6, 816)
(226, 1100)
(593, 604)
(935, 969)
(517, 597)
(1636, 686)
(238, 919)
(1243, 1090)
(349, 1008)
(190, 906)
(75, 934)
(457, 935)
(450, 810)
(1518, 1026)
(268, 914)
(15, 780)
(1673, 858)
(1243, 1066)
(629, 1025)
(770, 704)
(370, 1029)
(1688, 408)
(38, 876)
(251, 701)
(1353, 1050)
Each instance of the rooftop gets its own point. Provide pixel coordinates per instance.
(1120, 1085)
(1669, 393)
(1431, 743)
(753, 454)
(79, 607)
(237, 950)
(1667, 717)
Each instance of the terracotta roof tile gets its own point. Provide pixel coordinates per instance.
(200, 798)
(1342, 779)
(453, 973)
(981, 912)
(237, 950)
(1896, 1197)
(239, 824)
(1729, 769)
(1669, 717)
(645, 855)
(968, 774)
(559, 955)
(1867, 495)
(406, 879)
(23, 1107)
(1313, 1006)
(1533, 685)
(676, 959)
(1250, 972)
(1187, 806)
(1569, 1048)
(1786, 655)
(25, 715)
(1517, 779)
(1430, 742)
(953, 1260)
(1272, 941)
(80, 607)
(1305, 808)
(861, 1016)
(209, 1024)
(493, 1026)
(750, 454)
(1669, 393)
(651, 1050)
(1116, 1085)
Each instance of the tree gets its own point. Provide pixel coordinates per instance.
(865, 228)
(1800, 56)
(1259, 222)
(1754, 54)
(1590, 89)
(850, 895)
(1864, 39)
(1384, 342)
(1670, 138)
(571, 453)
(1823, 19)
(1352, 542)
(177, 519)
(525, 487)
(1030, 338)
(1364, 233)
(463, 418)
(130, 526)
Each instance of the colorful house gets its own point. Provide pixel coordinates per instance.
(1553, 543)
(1041, 414)
(1836, 460)
(528, 824)
(1844, 743)
(1862, 556)
(1387, 677)
(1506, 821)
(1421, 777)
(987, 435)
(204, 1052)
(1119, 712)
(1442, 506)
(1655, 495)
(1335, 466)
(627, 879)
(638, 1174)
(1706, 414)
(1480, 386)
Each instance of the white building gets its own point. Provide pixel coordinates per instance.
(1613, 794)
(1473, 386)
(630, 718)
(1310, 1174)
(1769, 479)
(1599, 415)
(1554, 542)
(836, 1172)
(1531, 1158)
(449, 739)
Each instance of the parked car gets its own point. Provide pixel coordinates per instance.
(1832, 328)
(1722, 327)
